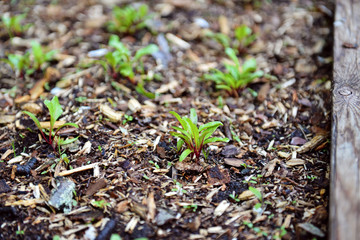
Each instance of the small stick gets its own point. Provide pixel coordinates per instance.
(79, 169)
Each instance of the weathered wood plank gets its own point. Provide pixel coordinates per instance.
(345, 164)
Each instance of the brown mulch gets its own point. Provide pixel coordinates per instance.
(128, 180)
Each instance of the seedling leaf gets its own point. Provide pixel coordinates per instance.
(184, 154)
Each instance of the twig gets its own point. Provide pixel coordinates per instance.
(79, 169)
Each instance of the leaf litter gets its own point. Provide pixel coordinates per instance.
(124, 176)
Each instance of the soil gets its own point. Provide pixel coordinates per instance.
(126, 173)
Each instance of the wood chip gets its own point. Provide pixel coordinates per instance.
(263, 92)
(313, 143)
(25, 203)
(57, 124)
(85, 149)
(16, 159)
(6, 154)
(247, 194)
(122, 206)
(295, 162)
(151, 207)
(221, 208)
(95, 187)
(134, 105)
(235, 162)
(7, 119)
(76, 170)
(269, 167)
(224, 25)
(32, 107)
(114, 116)
(178, 41)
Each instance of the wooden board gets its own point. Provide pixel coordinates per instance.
(345, 156)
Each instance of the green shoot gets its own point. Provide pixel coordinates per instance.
(55, 111)
(244, 37)
(19, 63)
(192, 137)
(234, 79)
(13, 25)
(120, 62)
(40, 56)
(192, 207)
(128, 20)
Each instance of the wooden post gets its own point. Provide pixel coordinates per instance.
(345, 156)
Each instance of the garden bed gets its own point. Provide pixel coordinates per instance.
(270, 180)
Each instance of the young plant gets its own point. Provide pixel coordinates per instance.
(55, 111)
(221, 38)
(13, 24)
(40, 56)
(120, 60)
(19, 63)
(193, 137)
(129, 19)
(244, 37)
(236, 77)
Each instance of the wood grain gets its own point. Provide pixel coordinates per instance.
(345, 166)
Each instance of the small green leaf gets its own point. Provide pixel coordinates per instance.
(193, 116)
(68, 141)
(210, 125)
(242, 32)
(187, 134)
(249, 65)
(231, 53)
(181, 121)
(184, 154)
(150, 49)
(114, 41)
(33, 117)
(54, 109)
(179, 144)
(256, 192)
(216, 139)
(141, 90)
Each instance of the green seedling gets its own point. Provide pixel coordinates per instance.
(40, 56)
(19, 63)
(192, 207)
(120, 61)
(221, 38)
(257, 230)
(127, 118)
(19, 231)
(13, 25)
(55, 111)
(80, 99)
(154, 164)
(234, 197)
(193, 137)
(115, 236)
(281, 232)
(236, 77)
(128, 20)
(141, 90)
(244, 37)
(100, 204)
(253, 179)
(178, 188)
(311, 177)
